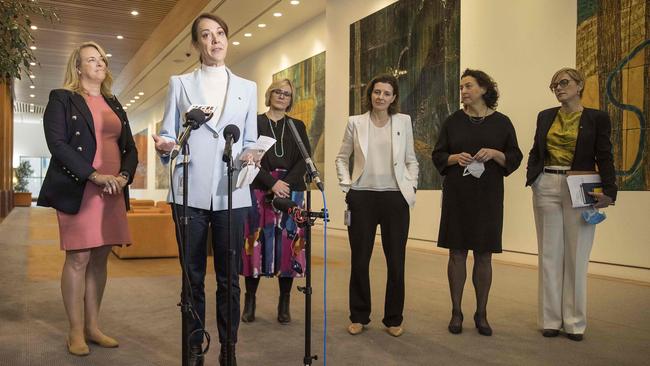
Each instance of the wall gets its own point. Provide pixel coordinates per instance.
(540, 39)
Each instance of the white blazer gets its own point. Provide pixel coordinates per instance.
(208, 183)
(405, 164)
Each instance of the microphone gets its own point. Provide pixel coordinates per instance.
(193, 120)
(311, 168)
(286, 205)
(231, 134)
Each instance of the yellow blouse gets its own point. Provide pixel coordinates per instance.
(561, 139)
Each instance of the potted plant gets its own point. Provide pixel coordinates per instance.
(16, 57)
(22, 197)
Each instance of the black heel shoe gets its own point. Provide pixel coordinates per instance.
(482, 330)
(455, 328)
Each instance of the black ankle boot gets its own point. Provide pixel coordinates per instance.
(196, 358)
(222, 356)
(248, 315)
(284, 316)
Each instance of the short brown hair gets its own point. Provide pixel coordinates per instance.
(195, 28)
(574, 74)
(484, 80)
(387, 79)
(275, 85)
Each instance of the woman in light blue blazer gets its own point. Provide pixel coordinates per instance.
(380, 191)
(235, 102)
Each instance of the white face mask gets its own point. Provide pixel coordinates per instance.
(475, 168)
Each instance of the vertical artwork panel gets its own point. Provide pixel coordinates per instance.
(308, 78)
(162, 171)
(613, 51)
(417, 41)
(140, 178)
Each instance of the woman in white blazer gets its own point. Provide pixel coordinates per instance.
(235, 102)
(380, 192)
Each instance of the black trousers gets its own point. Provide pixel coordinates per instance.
(199, 223)
(390, 211)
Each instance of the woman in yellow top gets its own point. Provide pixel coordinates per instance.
(569, 137)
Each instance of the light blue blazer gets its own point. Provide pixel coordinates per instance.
(208, 183)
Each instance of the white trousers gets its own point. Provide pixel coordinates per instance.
(564, 240)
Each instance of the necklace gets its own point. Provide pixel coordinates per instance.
(477, 120)
(275, 146)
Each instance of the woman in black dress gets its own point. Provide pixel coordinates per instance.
(474, 138)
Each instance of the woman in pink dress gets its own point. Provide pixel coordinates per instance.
(93, 161)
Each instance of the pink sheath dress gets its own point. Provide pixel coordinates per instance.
(102, 217)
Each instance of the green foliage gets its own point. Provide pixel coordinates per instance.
(23, 172)
(16, 37)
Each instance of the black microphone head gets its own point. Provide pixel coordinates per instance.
(233, 131)
(196, 116)
(283, 204)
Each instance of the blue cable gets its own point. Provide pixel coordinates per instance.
(325, 280)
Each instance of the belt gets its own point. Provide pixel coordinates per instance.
(555, 171)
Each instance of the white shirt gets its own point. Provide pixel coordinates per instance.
(378, 174)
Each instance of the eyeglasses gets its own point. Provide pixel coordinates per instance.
(563, 83)
(279, 92)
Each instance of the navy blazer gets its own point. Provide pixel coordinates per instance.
(70, 136)
(593, 147)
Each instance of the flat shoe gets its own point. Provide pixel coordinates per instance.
(574, 337)
(104, 341)
(395, 331)
(355, 328)
(77, 349)
(550, 333)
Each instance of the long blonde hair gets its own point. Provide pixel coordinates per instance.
(71, 81)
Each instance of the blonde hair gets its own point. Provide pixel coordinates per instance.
(275, 85)
(574, 74)
(71, 80)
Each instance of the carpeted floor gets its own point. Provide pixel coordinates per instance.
(140, 310)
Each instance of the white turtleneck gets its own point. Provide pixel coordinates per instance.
(214, 83)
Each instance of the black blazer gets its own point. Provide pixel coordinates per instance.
(70, 137)
(593, 147)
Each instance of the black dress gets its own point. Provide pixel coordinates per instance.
(472, 208)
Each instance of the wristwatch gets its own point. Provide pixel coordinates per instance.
(125, 175)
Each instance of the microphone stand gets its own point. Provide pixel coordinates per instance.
(229, 344)
(183, 249)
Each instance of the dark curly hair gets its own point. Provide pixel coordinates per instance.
(386, 79)
(484, 80)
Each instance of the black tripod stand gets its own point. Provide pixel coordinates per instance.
(307, 289)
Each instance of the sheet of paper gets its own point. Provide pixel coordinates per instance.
(575, 187)
(256, 151)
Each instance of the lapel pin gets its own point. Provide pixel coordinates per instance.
(239, 98)
(397, 133)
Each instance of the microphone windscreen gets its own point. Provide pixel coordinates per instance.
(283, 204)
(196, 115)
(232, 130)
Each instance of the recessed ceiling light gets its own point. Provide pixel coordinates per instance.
(277, 15)
(109, 55)
(128, 104)
(32, 96)
(134, 12)
(32, 76)
(125, 108)
(34, 27)
(295, 2)
(32, 87)
(236, 43)
(33, 63)
(33, 48)
(136, 97)
(131, 101)
(248, 34)
(31, 104)
(261, 25)
(120, 37)
(141, 93)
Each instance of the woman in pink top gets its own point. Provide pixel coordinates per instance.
(93, 161)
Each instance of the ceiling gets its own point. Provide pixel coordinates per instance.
(155, 44)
